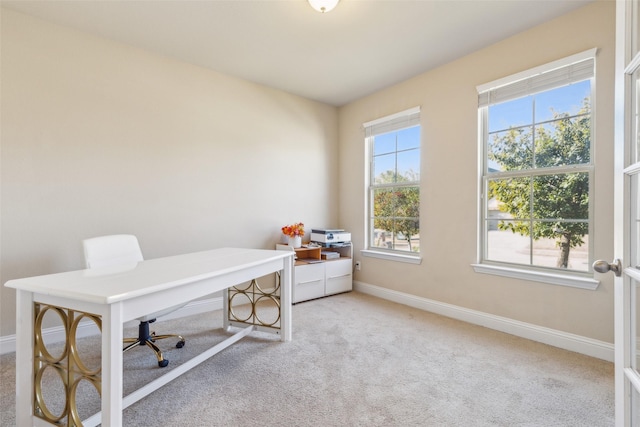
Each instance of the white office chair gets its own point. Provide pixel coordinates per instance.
(121, 249)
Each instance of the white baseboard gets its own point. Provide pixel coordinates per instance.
(590, 347)
(85, 329)
(579, 344)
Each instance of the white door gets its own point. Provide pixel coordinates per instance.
(627, 214)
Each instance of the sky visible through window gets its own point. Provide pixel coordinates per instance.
(518, 112)
(408, 159)
(537, 108)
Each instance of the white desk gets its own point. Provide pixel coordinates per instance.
(112, 297)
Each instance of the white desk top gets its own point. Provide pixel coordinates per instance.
(110, 285)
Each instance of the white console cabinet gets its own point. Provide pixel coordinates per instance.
(314, 277)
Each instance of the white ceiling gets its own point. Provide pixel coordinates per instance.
(358, 48)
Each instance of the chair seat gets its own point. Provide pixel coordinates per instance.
(123, 250)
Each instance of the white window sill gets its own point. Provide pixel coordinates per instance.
(536, 276)
(411, 259)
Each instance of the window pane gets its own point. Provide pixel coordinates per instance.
(384, 205)
(571, 100)
(561, 196)
(503, 245)
(509, 198)
(635, 220)
(562, 249)
(635, 406)
(409, 138)
(515, 113)
(384, 168)
(506, 246)
(635, 39)
(399, 206)
(407, 210)
(405, 243)
(384, 143)
(563, 142)
(409, 165)
(396, 213)
(382, 239)
(635, 321)
(396, 240)
(511, 149)
(635, 144)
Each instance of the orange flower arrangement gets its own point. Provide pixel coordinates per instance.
(293, 230)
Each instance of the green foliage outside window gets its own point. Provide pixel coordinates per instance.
(545, 205)
(396, 209)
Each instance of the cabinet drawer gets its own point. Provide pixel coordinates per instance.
(339, 267)
(309, 273)
(339, 276)
(308, 282)
(308, 290)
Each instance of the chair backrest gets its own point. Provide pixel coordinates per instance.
(107, 251)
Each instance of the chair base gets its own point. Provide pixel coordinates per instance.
(148, 339)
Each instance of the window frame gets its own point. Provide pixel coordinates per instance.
(573, 278)
(391, 123)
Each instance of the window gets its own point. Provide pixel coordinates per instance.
(394, 183)
(536, 190)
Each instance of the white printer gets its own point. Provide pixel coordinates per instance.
(330, 237)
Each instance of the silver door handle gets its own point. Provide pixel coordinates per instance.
(602, 266)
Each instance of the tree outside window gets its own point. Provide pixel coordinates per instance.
(538, 170)
(395, 190)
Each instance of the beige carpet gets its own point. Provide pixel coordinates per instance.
(356, 360)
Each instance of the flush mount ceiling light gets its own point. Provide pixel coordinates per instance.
(323, 5)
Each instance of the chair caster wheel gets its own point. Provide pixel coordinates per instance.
(163, 363)
(180, 344)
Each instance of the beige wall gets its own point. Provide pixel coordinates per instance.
(449, 169)
(99, 138)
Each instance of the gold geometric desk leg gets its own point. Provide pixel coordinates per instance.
(68, 365)
(258, 299)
